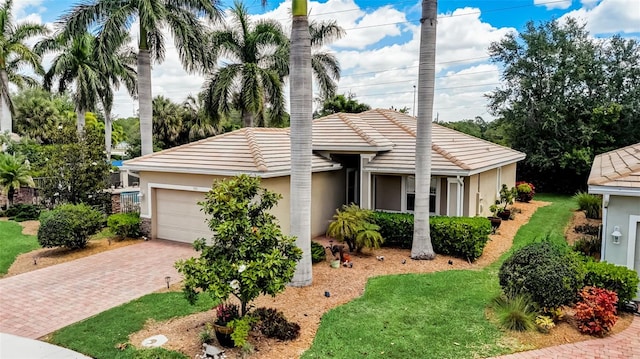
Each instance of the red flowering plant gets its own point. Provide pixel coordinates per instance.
(596, 312)
(226, 313)
(525, 190)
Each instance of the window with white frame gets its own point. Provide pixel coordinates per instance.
(410, 194)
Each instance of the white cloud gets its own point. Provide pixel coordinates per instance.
(609, 16)
(553, 4)
(20, 6)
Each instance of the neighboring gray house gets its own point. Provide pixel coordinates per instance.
(616, 176)
(366, 158)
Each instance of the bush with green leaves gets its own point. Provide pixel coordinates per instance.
(516, 312)
(273, 324)
(69, 226)
(125, 225)
(525, 191)
(589, 246)
(248, 256)
(23, 212)
(619, 279)
(353, 225)
(318, 253)
(550, 275)
(589, 203)
(461, 237)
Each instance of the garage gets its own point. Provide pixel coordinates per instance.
(178, 215)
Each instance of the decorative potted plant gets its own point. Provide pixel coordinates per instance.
(506, 197)
(495, 220)
(525, 190)
(225, 314)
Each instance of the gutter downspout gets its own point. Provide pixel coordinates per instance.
(603, 246)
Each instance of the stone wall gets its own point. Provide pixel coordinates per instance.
(24, 195)
(145, 224)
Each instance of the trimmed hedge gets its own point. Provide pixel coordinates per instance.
(125, 225)
(461, 237)
(69, 226)
(550, 275)
(22, 212)
(619, 279)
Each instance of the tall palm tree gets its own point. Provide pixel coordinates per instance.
(324, 64)
(117, 63)
(421, 248)
(15, 54)
(301, 99)
(113, 18)
(14, 173)
(167, 122)
(249, 78)
(75, 65)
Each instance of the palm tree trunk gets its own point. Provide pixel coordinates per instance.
(301, 98)
(145, 111)
(10, 193)
(107, 133)
(81, 120)
(247, 118)
(6, 121)
(421, 247)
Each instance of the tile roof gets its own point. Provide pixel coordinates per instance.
(618, 168)
(388, 134)
(260, 151)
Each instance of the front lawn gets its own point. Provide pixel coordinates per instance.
(434, 315)
(13, 243)
(100, 335)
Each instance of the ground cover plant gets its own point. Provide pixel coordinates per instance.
(422, 315)
(106, 334)
(13, 243)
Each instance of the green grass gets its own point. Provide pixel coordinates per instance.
(434, 315)
(98, 336)
(13, 243)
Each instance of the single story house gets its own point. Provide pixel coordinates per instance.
(616, 176)
(366, 158)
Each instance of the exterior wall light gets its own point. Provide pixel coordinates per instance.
(615, 235)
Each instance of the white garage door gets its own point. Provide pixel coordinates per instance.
(178, 216)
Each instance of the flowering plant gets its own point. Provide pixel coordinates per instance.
(526, 191)
(226, 313)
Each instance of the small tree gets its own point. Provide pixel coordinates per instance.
(248, 255)
(14, 173)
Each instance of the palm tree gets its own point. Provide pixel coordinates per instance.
(15, 54)
(77, 65)
(14, 172)
(196, 119)
(421, 248)
(167, 122)
(250, 79)
(301, 95)
(114, 18)
(324, 64)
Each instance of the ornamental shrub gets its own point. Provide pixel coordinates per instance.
(23, 212)
(69, 226)
(318, 253)
(125, 225)
(589, 203)
(352, 224)
(515, 313)
(461, 237)
(525, 191)
(248, 256)
(596, 312)
(619, 279)
(550, 275)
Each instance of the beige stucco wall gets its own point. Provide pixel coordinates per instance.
(328, 194)
(509, 175)
(486, 187)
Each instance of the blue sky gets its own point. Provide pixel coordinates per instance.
(379, 53)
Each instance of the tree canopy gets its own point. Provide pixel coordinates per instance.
(346, 103)
(566, 97)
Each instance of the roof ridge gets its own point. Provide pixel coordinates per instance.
(256, 153)
(449, 156)
(362, 133)
(395, 121)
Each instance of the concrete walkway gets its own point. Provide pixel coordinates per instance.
(625, 345)
(36, 303)
(13, 347)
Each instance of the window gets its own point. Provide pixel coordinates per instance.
(410, 189)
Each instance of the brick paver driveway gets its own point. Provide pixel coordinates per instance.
(39, 302)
